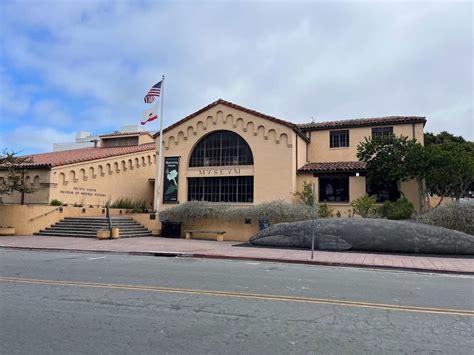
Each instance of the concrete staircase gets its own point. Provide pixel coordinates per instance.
(87, 227)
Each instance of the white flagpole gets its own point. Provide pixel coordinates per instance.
(159, 155)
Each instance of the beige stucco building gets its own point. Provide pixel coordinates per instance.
(122, 166)
(221, 153)
(228, 153)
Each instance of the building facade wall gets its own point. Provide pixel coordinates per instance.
(97, 182)
(38, 179)
(319, 149)
(273, 146)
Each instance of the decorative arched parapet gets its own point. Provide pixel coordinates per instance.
(261, 131)
(100, 170)
(228, 118)
(190, 131)
(283, 139)
(116, 167)
(238, 124)
(72, 176)
(137, 162)
(62, 179)
(82, 174)
(271, 135)
(143, 161)
(130, 164)
(200, 126)
(123, 165)
(211, 121)
(109, 169)
(92, 173)
(170, 141)
(220, 116)
(181, 137)
(250, 127)
(36, 182)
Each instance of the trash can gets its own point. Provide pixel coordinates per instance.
(171, 229)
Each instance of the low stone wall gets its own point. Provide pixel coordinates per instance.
(152, 225)
(20, 217)
(29, 219)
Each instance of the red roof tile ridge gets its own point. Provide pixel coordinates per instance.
(333, 166)
(363, 121)
(66, 157)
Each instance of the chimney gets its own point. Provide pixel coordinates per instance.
(96, 142)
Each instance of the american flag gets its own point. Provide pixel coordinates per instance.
(152, 93)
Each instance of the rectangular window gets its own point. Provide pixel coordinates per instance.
(383, 192)
(334, 189)
(382, 132)
(339, 139)
(221, 189)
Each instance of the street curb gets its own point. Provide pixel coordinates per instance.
(248, 258)
(327, 263)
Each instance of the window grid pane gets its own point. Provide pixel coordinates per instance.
(334, 189)
(221, 189)
(339, 139)
(382, 132)
(220, 149)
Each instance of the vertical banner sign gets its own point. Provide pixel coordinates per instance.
(170, 184)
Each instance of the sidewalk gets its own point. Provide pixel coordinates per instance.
(230, 250)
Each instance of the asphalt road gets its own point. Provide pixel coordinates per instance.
(60, 303)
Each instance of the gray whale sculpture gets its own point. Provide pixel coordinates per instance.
(367, 234)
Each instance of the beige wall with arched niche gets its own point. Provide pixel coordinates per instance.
(36, 178)
(273, 147)
(96, 182)
(320, 151)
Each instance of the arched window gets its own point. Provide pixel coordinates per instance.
(221, 148)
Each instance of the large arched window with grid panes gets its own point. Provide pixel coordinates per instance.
(221, 149)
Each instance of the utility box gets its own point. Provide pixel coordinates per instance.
(171, 229)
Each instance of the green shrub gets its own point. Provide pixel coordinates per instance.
(365, 206)
(325, 211)
(306, 196)
(56, 202)
(400, 209)
(275, 211)
(455, 216)
(129, 204)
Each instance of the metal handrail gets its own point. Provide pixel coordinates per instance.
(44, 214)
(109, 219)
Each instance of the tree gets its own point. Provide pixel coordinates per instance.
(445, 166)
(14, 180)
(306, 196)
(451, 168)
(431, 138)
(393, 160)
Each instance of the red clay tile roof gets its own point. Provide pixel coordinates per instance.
(362, 122)
(293, 126)
(65, 157)
(332, 166)
(125, 134)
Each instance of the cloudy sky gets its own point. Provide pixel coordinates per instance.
(70, 65)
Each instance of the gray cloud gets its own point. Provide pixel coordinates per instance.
(294, 60)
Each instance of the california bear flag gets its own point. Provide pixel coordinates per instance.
(148, 116)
